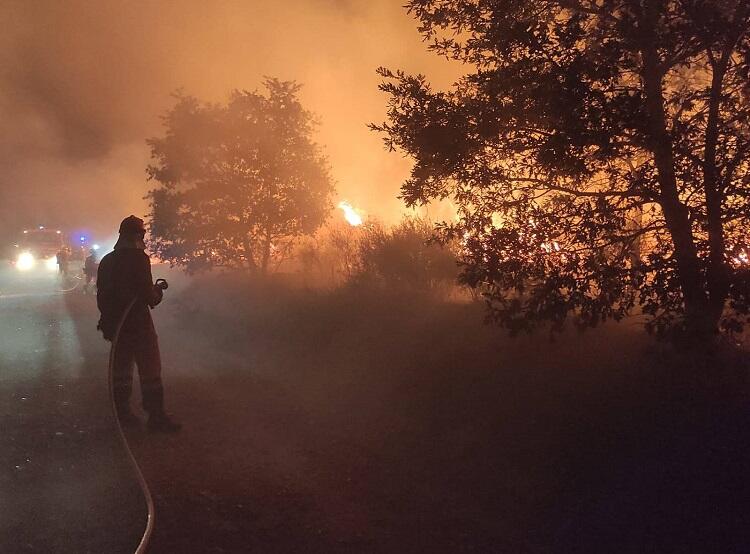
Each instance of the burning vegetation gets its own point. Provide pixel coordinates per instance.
(339, 387)
(611, 183)
(618, 173)
(351, 214)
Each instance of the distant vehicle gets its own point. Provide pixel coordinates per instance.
(38, 248)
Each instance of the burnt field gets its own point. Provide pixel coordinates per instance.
(365, 420)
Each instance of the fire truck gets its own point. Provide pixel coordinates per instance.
(37, 249)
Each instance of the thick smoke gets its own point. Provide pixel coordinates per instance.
(82, 85)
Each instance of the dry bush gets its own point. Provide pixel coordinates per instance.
(405, 255)
(401, 256)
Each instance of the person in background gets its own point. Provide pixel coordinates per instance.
(90, 267)
(63, 258)
(125, 296)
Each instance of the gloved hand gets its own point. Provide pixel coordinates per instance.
(157, 294)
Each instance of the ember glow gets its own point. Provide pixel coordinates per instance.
(350, 214)
(550, 247)
(741, 259)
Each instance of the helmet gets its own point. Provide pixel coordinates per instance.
(132, 225)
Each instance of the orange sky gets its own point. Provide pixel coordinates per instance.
(82, 85)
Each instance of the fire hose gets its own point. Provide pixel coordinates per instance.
(151, 516)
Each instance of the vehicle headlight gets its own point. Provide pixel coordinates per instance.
(51, 263)
(25, 261)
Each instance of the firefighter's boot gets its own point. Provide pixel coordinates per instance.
(162, 423)
(153, 403)
(121, 395)
(127, 418)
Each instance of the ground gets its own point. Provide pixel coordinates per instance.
(362, 420)
(372, 421)
(66, 484)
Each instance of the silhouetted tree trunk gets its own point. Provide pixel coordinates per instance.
(266, 256)
(717, 274)
(675, 212)
(249, 259)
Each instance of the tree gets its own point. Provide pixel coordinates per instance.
(237, 183)
(597, 152)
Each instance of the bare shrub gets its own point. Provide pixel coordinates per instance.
(401, 256)
(404, 255)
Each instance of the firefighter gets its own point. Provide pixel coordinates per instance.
(90, 266)
(62, 261)
(124, 280)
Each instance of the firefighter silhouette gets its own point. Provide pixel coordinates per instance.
(90, 267)
(63, 258)
(125, 295)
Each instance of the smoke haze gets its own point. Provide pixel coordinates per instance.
(82, 85)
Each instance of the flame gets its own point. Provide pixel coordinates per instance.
(350, 214)
(551, 247)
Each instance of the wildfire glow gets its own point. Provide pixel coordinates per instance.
(550, 247)
(350, 214)
(741, 259)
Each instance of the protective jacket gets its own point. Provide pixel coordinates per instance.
(90, 265)
(62, 258)
(125, 274)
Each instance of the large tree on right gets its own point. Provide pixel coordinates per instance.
(597, 154)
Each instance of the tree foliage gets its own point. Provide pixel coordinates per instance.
(597, 152)
(236, 183)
